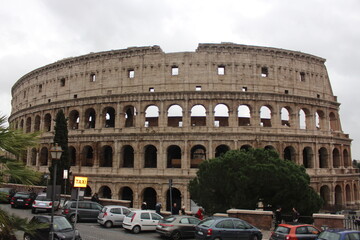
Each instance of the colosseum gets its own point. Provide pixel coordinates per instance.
(138, 117)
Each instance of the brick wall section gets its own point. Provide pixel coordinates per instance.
(329, 220)
(260, 219)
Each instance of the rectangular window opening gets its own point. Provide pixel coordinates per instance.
(198, 88)
(131, 73)
(75, 95)
(151, 89)
(92, 77)
(286, 91)
(302, 77)
(264, 72)
(174, 70)
(146, 124)
(244, 89)
(62, 82)
(221, 70)
(318, 95)
(40, 88)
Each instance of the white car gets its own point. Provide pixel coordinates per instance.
(112, 215)
(141, 220)
(41, 203)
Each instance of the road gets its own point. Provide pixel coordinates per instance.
(90, 230)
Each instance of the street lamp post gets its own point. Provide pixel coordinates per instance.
(56, 152)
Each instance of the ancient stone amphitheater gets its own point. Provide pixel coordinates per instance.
(138, 117)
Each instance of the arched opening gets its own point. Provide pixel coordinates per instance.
(128, 156)
(325, 195)
(290, 154)
(72, 156)
(303, 118)
(152, 116)
(90, 118)
(22, 124)
(37, 123)
(270, 148)
(348, 194)
(221, 150)
(319, 119)
(150, 156)
(28, 125)
(47, 122)
(44, 156)
(74, 119)
(174, 156)
(308, 161)
(323, 158)
(130, 113)
(175, 116)
(356, 193)
(336, 158)
(243, 115)
(346, 158)
(126, 193)
(265, 116)
(285, 117)
(198, 154)
(33, 156)
(333, 122)
(221, 115)
(338, 196)
(245, 147)
(109, 114)
(176, 198)
(88, 157)
(106, 156)
(149, 196)
(105, 192)
(198, 116)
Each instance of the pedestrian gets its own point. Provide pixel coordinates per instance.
(143, 206)
(295, 215)
(183, 210)
(158, 207)
(95, 198)
(175, 209)
(278, 216)
(200, 214)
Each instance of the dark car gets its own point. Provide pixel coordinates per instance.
(339, 234)
(295, 231)
(6, 194)
(62, 229)
(87, 210)
(177, 227)
(23, 199)
(226, 228)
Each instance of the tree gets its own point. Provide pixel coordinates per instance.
(14, 142)
(241, 179)
(61, 138)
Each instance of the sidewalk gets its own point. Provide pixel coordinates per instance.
(266, 234)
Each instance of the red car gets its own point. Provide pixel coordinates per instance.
(296, 231)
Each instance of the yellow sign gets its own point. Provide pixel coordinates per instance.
(80, 182)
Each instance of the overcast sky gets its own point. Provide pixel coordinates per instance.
(39, 32)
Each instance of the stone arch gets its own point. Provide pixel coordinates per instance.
(334, 125)
(244, 115)
(149, 196)
(308, 157)
(88, 157)
(270, 147)
(47, 122)
(44, 156)
(173, 156)
(126, 193)
(338, 196)
(28, 125)
(33, 156)
(127, 156)
(356, 193)
(176, 198)
(109, 117)
(346, 158)
(72, 155)
(152, 116)
(265, 116)
(37, 123)
(221, 150)
(325, 194)
(130, 113)
(347, 194)
(105, 192)
(175, 116)
(245, 147)
(198, 115)
(198, 154)
(323, 158)
(106, 158)
(221, 114)
(22, 124)
(150, 156)
(285, 116)
(74, 119)
(319, 119)
(90, 118)
(304, 115)
(336, 158)
(290, 154)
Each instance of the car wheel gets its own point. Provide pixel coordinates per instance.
(136, 229)
(73, 218)
(108, 224)
(27, 237)
(176, 235)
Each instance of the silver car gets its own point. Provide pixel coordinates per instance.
(112, 215)
(41, 203)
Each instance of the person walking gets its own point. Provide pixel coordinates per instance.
(95, 198)
(295, 215)
(175, 209)
(158, 207)
(143, 206)
(200, 214)
(278, 216)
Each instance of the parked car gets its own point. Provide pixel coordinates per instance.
(226, 228)
(22, 199)
(62, 229)
(42, 203)
(339, 234)
(6, 194)
(112, 215)
(87, 210)
(177, 227)
(141, 220)
(295, 231)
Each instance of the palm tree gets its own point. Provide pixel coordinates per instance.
(12, 144)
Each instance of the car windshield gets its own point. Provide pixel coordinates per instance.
(281, 229)
(329, 235)
(61, 224)
(42, 198)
